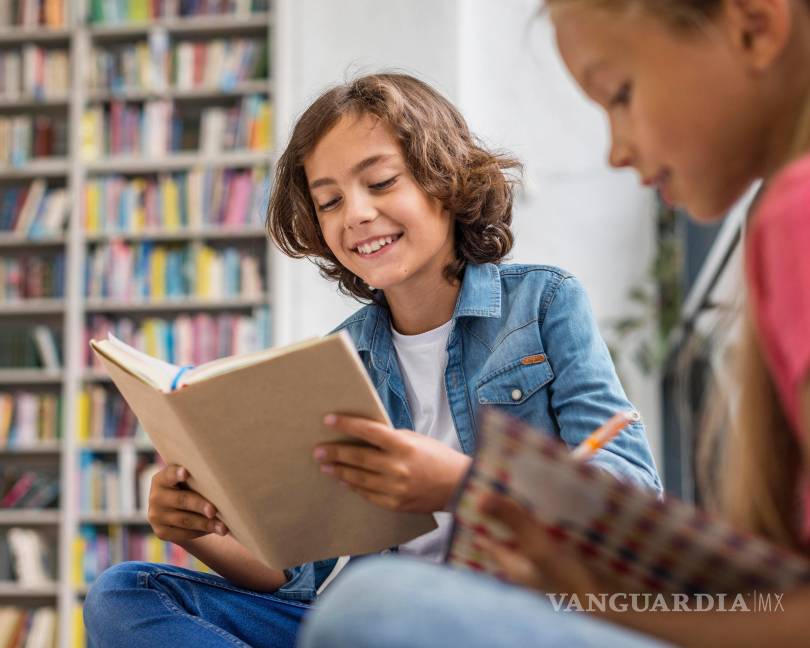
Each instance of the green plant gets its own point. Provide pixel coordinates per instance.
(645, 332)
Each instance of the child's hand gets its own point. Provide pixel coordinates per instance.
(176, 513)
(404, 471)
(535, 559)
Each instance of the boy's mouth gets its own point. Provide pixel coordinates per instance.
(371, 246)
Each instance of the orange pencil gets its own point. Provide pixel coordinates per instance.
(604, 434)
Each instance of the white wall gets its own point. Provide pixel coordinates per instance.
(498, 63)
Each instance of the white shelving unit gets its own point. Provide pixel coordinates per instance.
(71, 313)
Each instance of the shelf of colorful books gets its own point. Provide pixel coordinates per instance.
(29, 307)
(171, 305)
(220, 233)
(37, 167)
(36, 517)
(260, 86)
(210, 25)
(23, 36)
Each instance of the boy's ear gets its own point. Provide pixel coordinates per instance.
(759, 29)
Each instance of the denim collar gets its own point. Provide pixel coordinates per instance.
(480, 296)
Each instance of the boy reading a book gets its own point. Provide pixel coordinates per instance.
(384, 186)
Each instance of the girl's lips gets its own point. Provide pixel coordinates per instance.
(665, 190)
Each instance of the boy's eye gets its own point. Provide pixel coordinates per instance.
(327, 206)
(622, 96)
(384, 184)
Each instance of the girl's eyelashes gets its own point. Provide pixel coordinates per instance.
(622, 96)
(384, 184)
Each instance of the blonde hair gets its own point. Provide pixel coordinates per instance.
(762, 457)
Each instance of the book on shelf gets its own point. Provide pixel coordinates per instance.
(622, 532)
(34, 73)
(22, 627)
(124, 11)
(156, 65)
(119, 270)
(245, 428)
(28, 488)
(28, 419)
(154, 128)
(31, 558)
(32, 211)
(47, 348)
(31, 14)
(185, 339)
(99, 546)
(32, 276)
(23, 137)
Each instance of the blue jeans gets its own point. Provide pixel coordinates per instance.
(138, 604)
(399, 602)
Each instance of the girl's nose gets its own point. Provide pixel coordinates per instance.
(621, 155)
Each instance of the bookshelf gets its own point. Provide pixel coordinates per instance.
(110, 214)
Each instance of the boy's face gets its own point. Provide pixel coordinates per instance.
(375, 218)
(683, 110)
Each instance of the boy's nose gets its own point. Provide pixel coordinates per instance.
(358, 212)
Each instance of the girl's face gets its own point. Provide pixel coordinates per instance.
(684, 110)
(375, 218)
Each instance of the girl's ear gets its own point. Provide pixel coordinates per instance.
(759, 30)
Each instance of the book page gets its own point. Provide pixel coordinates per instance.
(157, 373)
(232, 363)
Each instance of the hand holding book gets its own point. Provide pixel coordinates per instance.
(400, 470)
(178, 514)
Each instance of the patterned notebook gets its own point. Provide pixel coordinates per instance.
(626, 533)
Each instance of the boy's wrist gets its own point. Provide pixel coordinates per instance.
(461, 464)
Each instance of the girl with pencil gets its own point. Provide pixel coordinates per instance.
(703, 97)
(383, 185)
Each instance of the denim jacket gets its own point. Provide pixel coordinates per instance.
(524, 339)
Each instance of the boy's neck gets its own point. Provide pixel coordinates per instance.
(419, 311)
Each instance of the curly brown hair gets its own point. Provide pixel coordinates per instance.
(475, 185)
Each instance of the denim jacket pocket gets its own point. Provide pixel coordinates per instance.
(515, 382)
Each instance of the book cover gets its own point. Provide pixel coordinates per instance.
(623, 532)
(245, 427)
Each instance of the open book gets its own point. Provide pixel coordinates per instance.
(245, 428)
(623, 532)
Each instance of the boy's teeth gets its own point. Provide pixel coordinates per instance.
(373, 246)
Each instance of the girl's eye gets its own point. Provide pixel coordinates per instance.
(384, 184)
(622, 96)
(327, 206)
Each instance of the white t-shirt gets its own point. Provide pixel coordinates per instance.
(423, 361)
